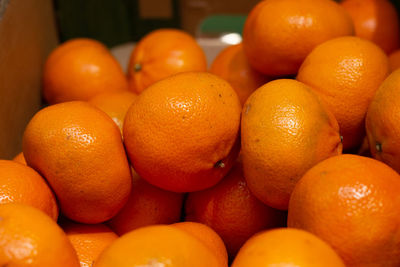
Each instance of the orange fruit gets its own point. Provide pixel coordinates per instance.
(80, 69)
(89, 240)
(231, 210)
(208, 236)
(147, 205)
(279, 34)
(181, 134)
(79, 150)
(22, 184)
(162, 53)
(158, 245)
(115, 104)
(286, 247)
(382, 122)
(28, 237)
(375, 20)
(286, 130)
(394, 60)
(20, 158)
(345, 73)
(231, 64)
(352, 203)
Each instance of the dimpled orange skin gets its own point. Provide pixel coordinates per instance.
(279, 34)
(158, 245)
(352, 203)
(375, 20)
(147, 205)
(394, 60)
(382, 122)
(22, 184)
(345, 73)
(28, 237)
(232, 65)
(78, 149)
(162, 53)
(89, 240)
(20, 158)
(80, 69)
(181, 134)
(286, 247)
(286, 130)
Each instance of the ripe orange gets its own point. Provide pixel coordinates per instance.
(232, 65)
(20, 158)
(279, 34)
(147, 205)
(180, 133)
(28, 237)
(375, 20)
(89, 240)
(352, 203)
(158, 245)
(208, 236)
(79, 150)
(22, 184)
(162, 53)
(345, 73)
(115, 104)
(231, 210)
(286, 247)
(394, 60)
(382, 122)
(286, 130)
(80, 69)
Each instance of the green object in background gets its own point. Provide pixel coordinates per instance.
(222, 24)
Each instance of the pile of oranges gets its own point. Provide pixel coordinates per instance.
(285, 152)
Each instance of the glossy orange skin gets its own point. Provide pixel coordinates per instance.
(345, 73)
(279, 34)
(162, 53)
(79, 150)
(80, 69)
(352, 203)
(28, 237)
(147, 205)
(231, 210)
(181, 134)
(20, 158)
(382, 122)
(115, 104)
(375, 20)
(285, 131)
(22, 184)
(158, 245)
(208, 236)
(286, 247)
(89, 240)
(394, 60)
(232, 65)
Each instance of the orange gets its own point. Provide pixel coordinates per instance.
(89, 240)
(375, 20)
(231, 64)
(279, 34)
(352, 203)
(345, 73)
(158, 245)
(162, 53)
(180, 133)
(22, 184)
(147, 205)
(20, 158)
(231, 210)
(79, 150)
(394, 60)
(115, 104)
(208, 236)
(28, 237)
(80, 69)
(286, 130)
(286, 247)
(382, 122)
